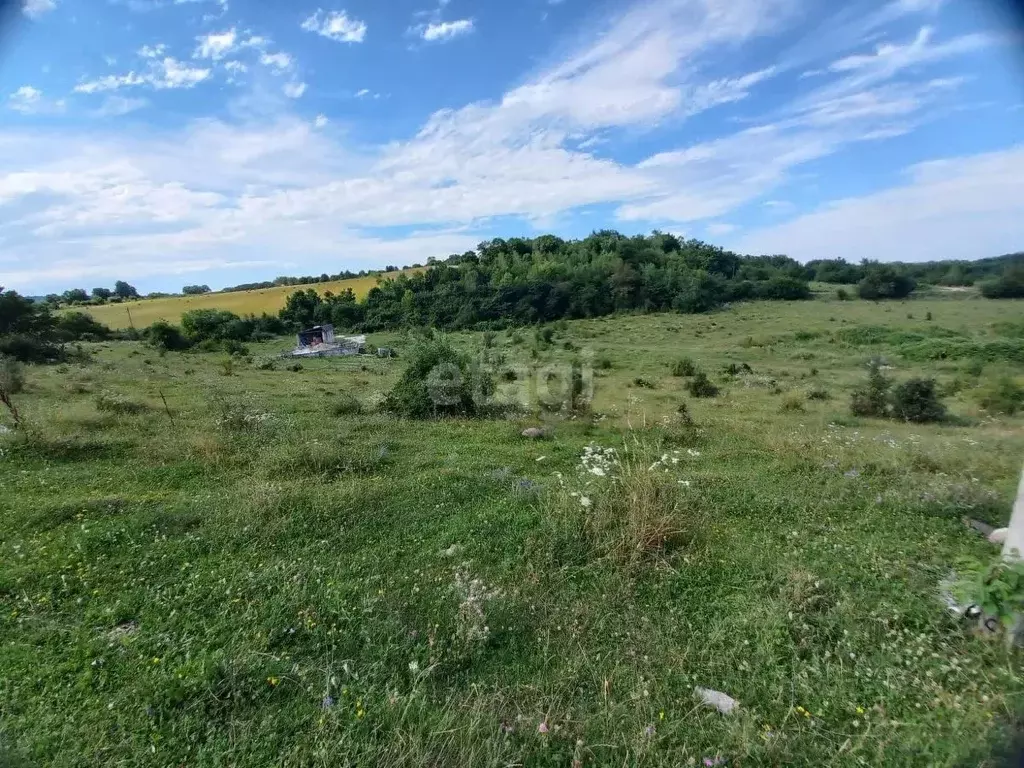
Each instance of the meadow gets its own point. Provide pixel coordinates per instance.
(240, 561)
(145, 312)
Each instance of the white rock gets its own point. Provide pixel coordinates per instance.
(534, 433)
(998, 536)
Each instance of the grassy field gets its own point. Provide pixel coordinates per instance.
(146, 311)
(214, 563)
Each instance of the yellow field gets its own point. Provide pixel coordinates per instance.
(270, 300)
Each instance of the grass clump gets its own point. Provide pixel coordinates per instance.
(347, 404)
(684, 367)
(701, 386)
(819, 394)
(872, 397)
(792, 403)
(112, 402)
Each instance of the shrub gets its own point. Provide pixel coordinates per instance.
(1004, 396)
(347, 404)
(818, 394)
(439, 381)
(872, 397)
(917, 400)
(735, 369)
(12, 381)
(603, 363)
(884, 282)
(163, 335)
(1009, 286)
(295, 367)
(111, 402)
(643, 383)
(78, 326)
(29, 348)
(701, 386)
(684, 367)
(842, 294)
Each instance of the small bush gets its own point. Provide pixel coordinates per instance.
(643, 383)
(974, 368)
(12, 375)
(163, 335)
(295, 367)
(29, 348)
(928, 316)
(701, 386)
(684, 367)
(819, 394)
(918, 401)
(347, 404)
(872, 397)
(792, 403)
(1004, 396)
(735, 369)
(603, 363)
(842, 294)
(683, 412)
(111, 402)
(439, 381)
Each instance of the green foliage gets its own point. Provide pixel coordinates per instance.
(643, 383)
(195, 290)
(163, 335)
(819, 394)
(918, 401)
(842, 294)
(438, 381)
(885, 282)
(79, 326)
(684, 367)
(12, 375)
(792, 403)
(701, 386)
(872, 397)
(1009, 286)
(347, 404)
(996, 587)
(1003, 396)
(603, 362)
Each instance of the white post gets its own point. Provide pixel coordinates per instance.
(1013, 546)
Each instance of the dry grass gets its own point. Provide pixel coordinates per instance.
(147, 311)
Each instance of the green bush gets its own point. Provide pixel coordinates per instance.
(842, 294)
(917, 400)
(12, 375)
(792, 403)
(684, 367)
(1009, 286)
(1004, 396)
(29, 348)
(163, 335)
(78, 326)
(701, 386)
(872, 397)
(643, 383)
(439, 381)
(818, 394)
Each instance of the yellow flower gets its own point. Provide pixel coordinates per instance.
(860, 710)
(661, 715)
(273, 680)
(156, 659)
(359, 714)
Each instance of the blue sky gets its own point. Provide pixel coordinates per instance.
(169, 142)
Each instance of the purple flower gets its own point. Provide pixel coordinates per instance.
(649, 731)
(543, 727)
(327, 702)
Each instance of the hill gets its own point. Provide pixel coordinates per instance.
(146, 311)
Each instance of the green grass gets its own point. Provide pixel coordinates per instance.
(188, 587)
(145, 312)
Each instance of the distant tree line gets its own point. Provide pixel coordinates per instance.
(32, 333)
(310, 279)
(121, 291)
(522, 281)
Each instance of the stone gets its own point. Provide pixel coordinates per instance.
(717, 700)
(533, 433)
(998, 536)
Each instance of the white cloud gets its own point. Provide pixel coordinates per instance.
(235, 67)
(216, 45)
(277, 61)
(362, 92)
(320, 121)
(962, 207)
(115, 106)
(36, 8)
(294, 90)
(152, 51)
(25, 100)
(336, 25)
(446, 30)
(163, 74)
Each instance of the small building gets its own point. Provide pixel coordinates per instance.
(318, 334)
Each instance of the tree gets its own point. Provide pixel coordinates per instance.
(1009, 286)
(195, 290)
(884, 282)
(75, 296)
(102, 294)
(125, 291)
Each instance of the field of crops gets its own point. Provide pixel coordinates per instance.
(146, 311)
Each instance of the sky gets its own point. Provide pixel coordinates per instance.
(173, 142)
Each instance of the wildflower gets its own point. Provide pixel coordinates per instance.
(507, 727)
(692, 453)
(685, 483)
(273, 680)
(649, 731)
(327, 702)
(860, 710)
(585, 501)
(543, 727)
(597, 471)
(156, 659)
(661, 715)
(414, 666)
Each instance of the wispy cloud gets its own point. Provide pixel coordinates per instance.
(446, 30)
(279, 62)
(116, 106)
(336, 25)
(216, 45)
(294, 90)
(162, 74)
